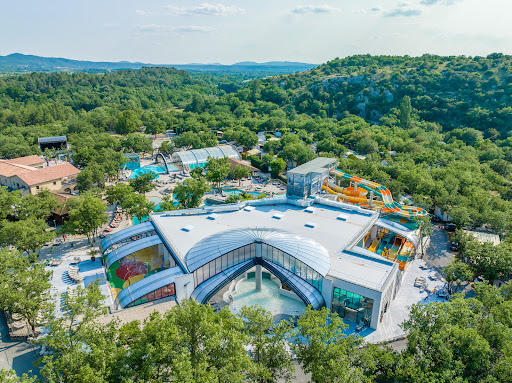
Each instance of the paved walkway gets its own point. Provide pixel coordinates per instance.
(438, 253)
(17, 355)
(408, 295)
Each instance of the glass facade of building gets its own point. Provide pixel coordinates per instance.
(224, 262)
(351, 306)
(292, 264)
(268, 253)
(162, 292)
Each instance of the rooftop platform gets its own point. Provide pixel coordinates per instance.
(337, 227)
(318, 165)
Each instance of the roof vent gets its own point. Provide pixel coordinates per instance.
(278, 215)
(310, 224)
(188, 228)
(249, 208)
(212, 216)
(310, 209)
(342, 217)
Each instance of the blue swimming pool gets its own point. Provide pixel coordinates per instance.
(148, 169)
(238, 191)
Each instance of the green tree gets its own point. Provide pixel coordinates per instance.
(188, 140)
(10, 377)
(215, 342)
(83, 349)
(39, 206)
(143, 183)
(8, 200)
(405, 113)
(456, 273)
(127, 122)
(137, 143)
(246, 138)
(26, 235)
(218, 170)
(166, 147)
(239, 171)
(455, 341)
(196, 173)
(272, 362)
(121, 194)
(233, 198)
(85, 215)
(190, 193)
(141, 207)
(155, 126)
(277, 166)
(366, 145)
(324, 351)
(425, 230)
(266, 160)
(22, 286)
(154, 351)
(492, 262)
(168, 203)
(93, 175)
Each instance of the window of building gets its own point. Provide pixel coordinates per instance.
(351, 306)
(268, 253)
(37, 187)
(55, 182)
(162, 292)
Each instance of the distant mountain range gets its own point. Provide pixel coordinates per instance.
(19, 63)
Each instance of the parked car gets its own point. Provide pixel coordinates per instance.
(435, 219)
(454, 246)
(450, 226)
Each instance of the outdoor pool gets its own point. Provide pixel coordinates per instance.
(148, 169)
(156, 201)
(268, 297)
(238, 191)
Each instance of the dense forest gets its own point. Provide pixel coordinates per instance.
(434, 128)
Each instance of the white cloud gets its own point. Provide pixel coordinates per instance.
(204, 9)
(439, 2)
(376, 9)
(323, 8)
(406, 9)
(156, 29)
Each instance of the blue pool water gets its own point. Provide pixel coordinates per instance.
(238, 191)
(157, 201)
(268, 297)
(148, 169)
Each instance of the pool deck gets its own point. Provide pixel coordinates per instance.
(399, 308)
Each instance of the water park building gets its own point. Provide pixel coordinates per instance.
(324, 248)
(198, 158)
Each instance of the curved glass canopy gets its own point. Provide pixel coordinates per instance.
(195, 157)
(117, 254)
(125, 235)
(301, 248)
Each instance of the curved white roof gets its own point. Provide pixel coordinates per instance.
(197, 156)
(304, 249)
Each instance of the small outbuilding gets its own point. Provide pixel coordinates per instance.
(53, 143)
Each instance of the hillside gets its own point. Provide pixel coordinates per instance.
(455, 91)
(19, 63)
(451, 149)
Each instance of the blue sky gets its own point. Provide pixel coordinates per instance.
(229, 31)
